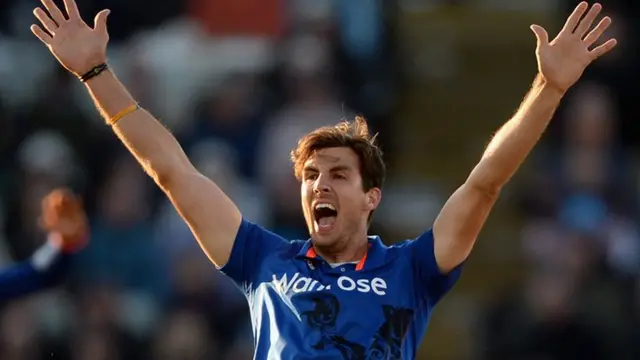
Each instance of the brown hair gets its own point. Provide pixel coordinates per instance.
(354, 135)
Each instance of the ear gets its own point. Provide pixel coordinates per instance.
(373, 198)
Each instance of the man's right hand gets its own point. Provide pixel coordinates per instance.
(77, 46)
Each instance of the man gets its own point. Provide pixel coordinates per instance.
(342, 294)
(65, 222)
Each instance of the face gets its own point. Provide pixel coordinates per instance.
(335, 205)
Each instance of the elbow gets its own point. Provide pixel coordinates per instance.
(488, 189)
(165, 173)
(168, 177)
(487, 183)
(161, 178)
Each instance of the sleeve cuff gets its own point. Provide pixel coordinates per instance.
(46, 256)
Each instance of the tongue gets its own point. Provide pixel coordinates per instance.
(326, 221)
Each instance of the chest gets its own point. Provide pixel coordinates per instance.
(324, 294)
(349, 312)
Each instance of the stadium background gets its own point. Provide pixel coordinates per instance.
(554, 275)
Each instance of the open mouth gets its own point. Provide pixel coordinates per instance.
(325, 216)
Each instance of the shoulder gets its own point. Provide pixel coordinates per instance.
(397, 254)
(254, 235)
(417, 252)
(407, 245)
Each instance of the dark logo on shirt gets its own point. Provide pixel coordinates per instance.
(386, 343)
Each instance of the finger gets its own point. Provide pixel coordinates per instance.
(66, 201)
(574, 18)
(54, 11)
(63, 191)
(58, 194)
(61, 206)
(587, 22)
(41, 34)
(100, 21)
(45, 20)
(71, 200)
(72, 9)
(603, 49)
(595, 34)
(541, 35)
(56, 197)
(69, 207)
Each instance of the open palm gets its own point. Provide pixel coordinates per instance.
(77, 46)
(562, 61)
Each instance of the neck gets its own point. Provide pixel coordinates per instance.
(348, 250)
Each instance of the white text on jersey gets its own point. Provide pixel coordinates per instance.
(299, 284)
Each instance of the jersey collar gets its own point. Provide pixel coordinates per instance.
(373, 258)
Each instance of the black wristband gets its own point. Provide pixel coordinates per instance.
(95, 71)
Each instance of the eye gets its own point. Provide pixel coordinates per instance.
(339, 176)
(310, 176)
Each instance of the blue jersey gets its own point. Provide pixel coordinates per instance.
(304, 308)
(45, 269)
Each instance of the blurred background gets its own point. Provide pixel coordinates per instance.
(555, 274)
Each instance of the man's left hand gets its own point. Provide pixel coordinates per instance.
(562, 61)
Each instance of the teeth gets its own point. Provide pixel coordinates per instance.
(325, 206)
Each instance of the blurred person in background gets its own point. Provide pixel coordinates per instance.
(184, 336)
(64, 220)
(121, 279)
(46, 161)
(217, 223)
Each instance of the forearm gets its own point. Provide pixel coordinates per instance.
(515, 140)
(211, 215)
(155, 148)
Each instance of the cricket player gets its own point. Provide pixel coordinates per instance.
(65, 222)
(342, 294)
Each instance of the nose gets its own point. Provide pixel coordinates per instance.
(321, 186)
(321, 189)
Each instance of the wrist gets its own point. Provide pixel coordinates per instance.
(545, 87)
(66, 245)
(93, 72)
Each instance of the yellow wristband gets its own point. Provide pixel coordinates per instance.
(115, 118)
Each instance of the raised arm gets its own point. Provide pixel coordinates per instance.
(211, 215)
(561, 62)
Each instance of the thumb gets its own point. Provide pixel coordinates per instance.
(541, 35)
(100, 21)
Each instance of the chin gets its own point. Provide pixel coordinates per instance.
(323, 240)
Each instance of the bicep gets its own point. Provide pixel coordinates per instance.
(459, 223)
(210, 214)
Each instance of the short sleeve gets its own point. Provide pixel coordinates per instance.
(436, 284)
(252, 246)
